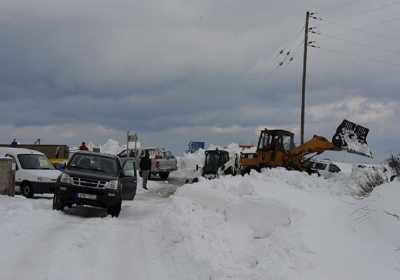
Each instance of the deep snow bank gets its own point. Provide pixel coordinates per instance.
(271, 225)
(284, 225)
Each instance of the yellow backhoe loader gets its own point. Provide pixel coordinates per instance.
(276, 148)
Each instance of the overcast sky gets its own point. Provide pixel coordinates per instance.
(181, 70)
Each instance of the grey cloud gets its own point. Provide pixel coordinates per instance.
(179, 70)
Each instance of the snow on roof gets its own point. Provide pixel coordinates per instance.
(5, 150)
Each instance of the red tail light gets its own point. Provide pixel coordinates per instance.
(157, 164)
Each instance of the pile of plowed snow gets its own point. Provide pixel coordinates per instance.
(276, 224)
(284, 225)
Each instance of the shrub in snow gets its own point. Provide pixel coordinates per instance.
(394, 164)
(371, 181)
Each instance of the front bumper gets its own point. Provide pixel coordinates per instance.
(163, 169)
(104, 197)
(42, 187)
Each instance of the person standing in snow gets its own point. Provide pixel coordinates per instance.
(145, 166)
(14, 143)
(83, 147)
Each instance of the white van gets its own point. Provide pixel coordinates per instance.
(34, 172)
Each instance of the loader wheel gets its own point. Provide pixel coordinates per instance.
(245, 171)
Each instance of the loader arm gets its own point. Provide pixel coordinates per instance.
(315, 145)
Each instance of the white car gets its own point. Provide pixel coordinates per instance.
(324, 168)
(34, 172)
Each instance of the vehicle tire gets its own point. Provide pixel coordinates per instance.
(228, 171)
(27, 190)
(164, 175)
(245, 171)
(114, 210)
(58, 203)
(392, 178)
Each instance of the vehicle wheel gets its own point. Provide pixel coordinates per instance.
(164, 175)
(27, 190)
(392, 178)
(58, 204)
(228, 171)
(114, 210)
(245, 171)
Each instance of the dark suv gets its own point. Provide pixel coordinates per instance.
(96, 179)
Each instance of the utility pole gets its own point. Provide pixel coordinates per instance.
(303, 87)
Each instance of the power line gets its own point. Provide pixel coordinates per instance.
(362, 44)
(381, 7)
(373, 10)
(370, 59)
(284, 55)
(359, 29)
(366, 12)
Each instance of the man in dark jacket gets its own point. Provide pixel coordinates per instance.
(145, 166)
(14, 143)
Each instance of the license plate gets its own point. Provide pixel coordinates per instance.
(86, 196)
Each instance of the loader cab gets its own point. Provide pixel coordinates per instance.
(276, 140)
(273, 147)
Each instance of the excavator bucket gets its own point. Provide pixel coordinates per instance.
(353, 138)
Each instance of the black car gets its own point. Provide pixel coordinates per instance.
(96, 179)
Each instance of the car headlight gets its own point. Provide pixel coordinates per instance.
(65, 179)
(43, 179)
(112, 185)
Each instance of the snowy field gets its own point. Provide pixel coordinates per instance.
(271, 225)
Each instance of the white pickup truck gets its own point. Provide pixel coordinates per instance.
(162, 161)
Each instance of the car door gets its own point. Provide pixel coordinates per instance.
(128, 180)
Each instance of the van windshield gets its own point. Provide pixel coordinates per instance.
(34, 161)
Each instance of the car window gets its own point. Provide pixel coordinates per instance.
(129, 168)
(320, 166)
(168, 155)
(333, 168)
(34, 161)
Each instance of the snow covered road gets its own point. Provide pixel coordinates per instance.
(39, 243)
(273, 225)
